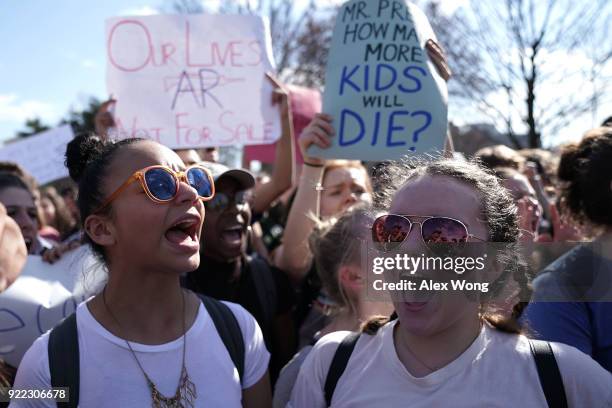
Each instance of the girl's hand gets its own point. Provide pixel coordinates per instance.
(318, 132)
(436, 55)
(54, 254)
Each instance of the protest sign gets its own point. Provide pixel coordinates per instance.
(305, 103)
(385, 96)
(41, 155)
(41, 297)
(192, 81)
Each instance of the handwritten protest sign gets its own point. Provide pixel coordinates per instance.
(41, 297)
(192, 81)
(385, 96)
(41, 155)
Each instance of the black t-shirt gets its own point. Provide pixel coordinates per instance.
(262, 289)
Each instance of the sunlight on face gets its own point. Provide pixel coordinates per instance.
(343, 187)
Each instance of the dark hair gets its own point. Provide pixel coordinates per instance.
(88, 158)
(14, 168)
(498, 212)
(499, 156)
(10, 179)
(585, 172)
(546, 163)
(504, 173)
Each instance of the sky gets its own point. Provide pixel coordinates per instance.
(53, 59)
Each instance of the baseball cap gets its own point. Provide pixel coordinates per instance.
(218, 170)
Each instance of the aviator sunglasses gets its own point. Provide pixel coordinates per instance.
(391, 230)
(161, 183)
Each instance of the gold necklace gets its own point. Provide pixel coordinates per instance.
(185, 391)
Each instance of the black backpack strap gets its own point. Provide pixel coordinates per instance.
(63, 354)
(229, 330)
(548, 371)
(338, 364)
(265, 286)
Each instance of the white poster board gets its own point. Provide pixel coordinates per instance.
(42, 296)
(192, 81)
(41, 155)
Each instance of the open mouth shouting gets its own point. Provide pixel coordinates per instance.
(232, 235)
(184, 233)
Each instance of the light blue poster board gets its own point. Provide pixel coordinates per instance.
(385, 96)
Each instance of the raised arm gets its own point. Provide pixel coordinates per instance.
(294, 256)
(104, 119)
(284, 162)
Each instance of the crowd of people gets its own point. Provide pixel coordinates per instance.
(198, 309)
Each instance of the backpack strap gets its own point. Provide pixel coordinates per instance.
(63, 354)
(548, 371)
(338, 364)
(229, 330)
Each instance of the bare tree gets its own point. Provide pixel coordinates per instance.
(524, 49)
(300, 35)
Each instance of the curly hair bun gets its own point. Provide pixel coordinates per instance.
(567, 164)
(81, 151)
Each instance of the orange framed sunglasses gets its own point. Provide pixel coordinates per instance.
(161, 183)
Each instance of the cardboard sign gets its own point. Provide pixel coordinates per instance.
(42, 296)
(305, 103)
(41, 155)
(192, 81)
(385, 96)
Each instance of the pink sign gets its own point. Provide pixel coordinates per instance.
(305, 103)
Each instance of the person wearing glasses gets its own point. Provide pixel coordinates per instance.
(447, 349)
(227, 272)
(143, 340)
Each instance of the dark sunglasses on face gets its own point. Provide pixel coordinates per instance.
(161, 183)
(391, 230)
(221, 201)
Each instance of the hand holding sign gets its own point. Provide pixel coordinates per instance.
(387, 99)
(104, 119)
(318, 133)
(436, 55)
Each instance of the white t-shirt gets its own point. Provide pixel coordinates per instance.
(497, 370)
(110, 377)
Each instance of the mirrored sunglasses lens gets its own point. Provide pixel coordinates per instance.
(390, 230)
(443, 230)
(160, 183)
(199, 180)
